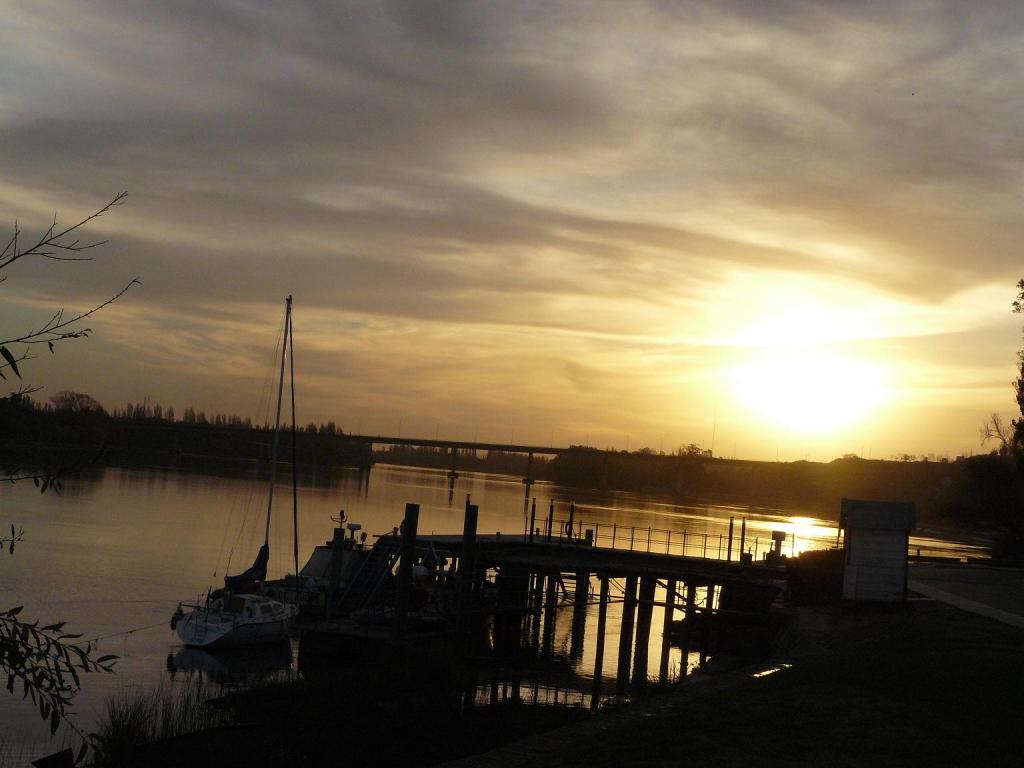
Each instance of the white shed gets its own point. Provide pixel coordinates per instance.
(877, 534)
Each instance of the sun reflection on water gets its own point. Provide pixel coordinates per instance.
(806, 533)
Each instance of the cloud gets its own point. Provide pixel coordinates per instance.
(526, 173)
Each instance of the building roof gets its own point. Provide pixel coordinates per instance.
(878, 515)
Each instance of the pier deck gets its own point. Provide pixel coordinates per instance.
(542, 556)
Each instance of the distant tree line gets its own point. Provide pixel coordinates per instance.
(79, 402)
(74, 429)
(817, 487)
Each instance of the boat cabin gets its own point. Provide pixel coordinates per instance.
(250, 606)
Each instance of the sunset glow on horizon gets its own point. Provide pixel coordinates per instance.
(776, 231)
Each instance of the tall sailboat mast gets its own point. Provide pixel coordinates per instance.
(295, 462)
(277, 421)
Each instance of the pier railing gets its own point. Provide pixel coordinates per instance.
(715, 546)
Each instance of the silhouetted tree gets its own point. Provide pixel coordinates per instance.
(76, 402)
(994, 489)
(997, 430)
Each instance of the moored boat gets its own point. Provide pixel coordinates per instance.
(238, 614)
(231, 620)
(330, 570)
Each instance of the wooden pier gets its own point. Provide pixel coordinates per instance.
(520, 583)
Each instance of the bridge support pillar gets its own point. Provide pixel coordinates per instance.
(528, 480)
(366, 457)
(452, 474)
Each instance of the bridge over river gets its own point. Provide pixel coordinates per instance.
(455, 446)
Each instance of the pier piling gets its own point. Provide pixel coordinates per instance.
(645, 609)
(666, 630)
(689, 623)
(579, 614)
(408, 553)
(626, 635)
(533, 518)
(602, 622)
(550, 614)
(467, 563)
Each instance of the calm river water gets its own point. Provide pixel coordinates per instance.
(118, 552)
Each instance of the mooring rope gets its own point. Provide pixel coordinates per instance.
(126, 632)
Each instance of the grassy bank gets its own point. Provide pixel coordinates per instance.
(932, 686)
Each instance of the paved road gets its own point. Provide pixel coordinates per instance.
(994, 592)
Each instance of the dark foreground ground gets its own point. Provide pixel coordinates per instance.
(930, 686)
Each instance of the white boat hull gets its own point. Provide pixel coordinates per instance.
(199, 632)
(204, 628)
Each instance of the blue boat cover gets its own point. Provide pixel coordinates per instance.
(256, 572)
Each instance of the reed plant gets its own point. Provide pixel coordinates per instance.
(138, 717)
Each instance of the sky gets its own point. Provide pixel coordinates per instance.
(778, 230)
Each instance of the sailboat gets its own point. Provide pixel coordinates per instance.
(238, 614)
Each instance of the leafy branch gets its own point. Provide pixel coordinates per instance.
(10, 361)
(44, 481)
(46, 664)
(8, 542)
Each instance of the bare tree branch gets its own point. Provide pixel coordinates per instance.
(53, 329)
(996, 429)
(52, 245)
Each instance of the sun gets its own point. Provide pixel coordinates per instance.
(808, 391)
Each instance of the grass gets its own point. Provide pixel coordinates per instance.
(368, 710)
(136, 717)
(931, 687)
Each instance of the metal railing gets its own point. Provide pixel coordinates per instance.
(653, 540)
